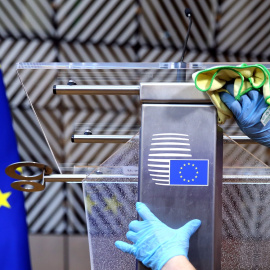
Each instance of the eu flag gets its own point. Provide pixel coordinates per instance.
(189, 172)
(14, 249)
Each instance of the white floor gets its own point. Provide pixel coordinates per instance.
(59, 252)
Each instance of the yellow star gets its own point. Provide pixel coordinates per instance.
(112, 204)
(19, 170)
(3, 199)
(89, 204)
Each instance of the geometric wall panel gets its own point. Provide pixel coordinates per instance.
(22, 50)
(242, 58)
(147, 54)
(31, 143)
(164, 23)
(75, 210)
(47, 211)
(244, 27)
(26, 19)
(97, 21)
(88, 52)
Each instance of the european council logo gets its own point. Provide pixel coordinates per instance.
(189, 172)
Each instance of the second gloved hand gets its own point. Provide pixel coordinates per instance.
(248, 112)
(154, 242)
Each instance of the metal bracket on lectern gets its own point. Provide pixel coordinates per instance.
(38, 182)
(96, 89)
(172, 93)
(28, 183)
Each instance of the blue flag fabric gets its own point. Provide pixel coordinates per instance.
(189, 172)
(14, 248)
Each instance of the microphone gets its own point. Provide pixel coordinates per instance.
(181, 74)
(188, 13)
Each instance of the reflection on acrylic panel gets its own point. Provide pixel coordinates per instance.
(110, 199)
(110, 207)
(245, 230)
(246, 227)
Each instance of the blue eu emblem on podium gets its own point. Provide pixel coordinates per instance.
(189, 172)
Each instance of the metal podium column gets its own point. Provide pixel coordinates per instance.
(180, 171)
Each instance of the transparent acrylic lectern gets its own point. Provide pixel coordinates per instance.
(227, 187)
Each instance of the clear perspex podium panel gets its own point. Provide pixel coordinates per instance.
(90, 128)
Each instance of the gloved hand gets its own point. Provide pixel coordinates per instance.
(154, 242)
(248, 112)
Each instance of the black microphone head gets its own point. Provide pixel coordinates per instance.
(188, 12)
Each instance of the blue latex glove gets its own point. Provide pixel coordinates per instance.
(154, 242)
(248, 112)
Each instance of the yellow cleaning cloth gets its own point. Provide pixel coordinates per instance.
(247, 77)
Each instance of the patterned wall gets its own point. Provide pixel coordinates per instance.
(109, 31)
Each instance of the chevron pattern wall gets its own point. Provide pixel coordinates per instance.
(109, 31)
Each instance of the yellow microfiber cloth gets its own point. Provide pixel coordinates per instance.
(246, 78)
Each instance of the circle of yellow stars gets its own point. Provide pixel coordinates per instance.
(187, 165)
(112, 204)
